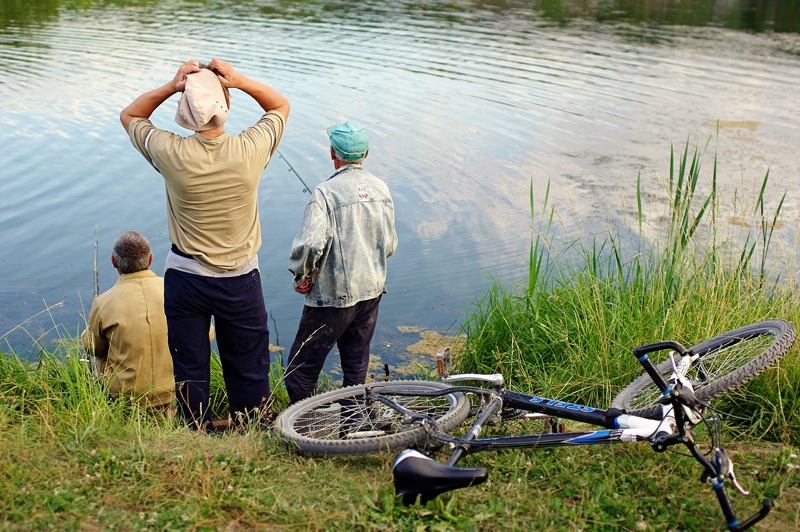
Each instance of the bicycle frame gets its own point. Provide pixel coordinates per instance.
(623, 427)
(680, 414)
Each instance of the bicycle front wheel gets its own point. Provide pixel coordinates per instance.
(726, 362)
(352, 421)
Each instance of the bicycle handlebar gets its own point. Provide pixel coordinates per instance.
(713, 472)
(658, 346)
(641, 354)
(727, 508)
(766, 506)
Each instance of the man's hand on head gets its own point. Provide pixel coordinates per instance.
(189, 67)
(225, 71)
(145, 104)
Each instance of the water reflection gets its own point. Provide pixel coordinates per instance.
(754, 15)
(467, 104)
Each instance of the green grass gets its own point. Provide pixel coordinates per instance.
(73, 460)
(141, 474)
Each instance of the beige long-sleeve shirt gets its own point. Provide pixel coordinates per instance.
(127, 332)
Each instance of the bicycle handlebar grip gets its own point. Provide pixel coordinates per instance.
(658, 346)
(641, 353)
(766, 506)
(727, 509)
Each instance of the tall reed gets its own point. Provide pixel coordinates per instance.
(586, 304)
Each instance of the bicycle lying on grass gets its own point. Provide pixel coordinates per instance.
(661, 407)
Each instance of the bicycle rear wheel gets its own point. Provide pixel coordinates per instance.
(726, 362)
(351, 421)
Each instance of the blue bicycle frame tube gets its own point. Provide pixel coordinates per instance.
(563, 409)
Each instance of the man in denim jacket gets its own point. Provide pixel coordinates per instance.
(339, 263)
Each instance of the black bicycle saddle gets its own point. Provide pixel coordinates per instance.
(418, 475)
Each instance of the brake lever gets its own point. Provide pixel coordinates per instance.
(724, 467)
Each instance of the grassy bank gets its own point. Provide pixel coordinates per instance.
(72, 460)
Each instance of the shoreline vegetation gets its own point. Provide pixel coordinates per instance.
(73, 460)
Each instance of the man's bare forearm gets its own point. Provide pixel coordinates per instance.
(268, 98)
(146, 104)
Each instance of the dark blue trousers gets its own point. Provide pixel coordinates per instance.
(240, 319)
(350, 328)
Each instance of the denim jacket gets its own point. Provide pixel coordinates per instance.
(347, 234)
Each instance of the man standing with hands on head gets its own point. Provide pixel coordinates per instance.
(339, 263)
(211, 180)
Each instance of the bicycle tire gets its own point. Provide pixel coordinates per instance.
(341, 422)
(726, 362)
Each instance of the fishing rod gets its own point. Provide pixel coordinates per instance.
(85, 355)
(96, 281)
(307, 188)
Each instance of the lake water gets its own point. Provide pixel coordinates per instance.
(466, 102)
